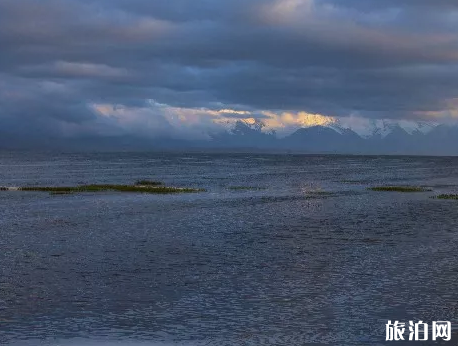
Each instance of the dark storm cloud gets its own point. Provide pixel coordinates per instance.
(379, 59)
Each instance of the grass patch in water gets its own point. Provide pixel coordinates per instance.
(146, 182)
(372, 240)
(400, 188)
(130, 188)
(445, 196)
(57, 189)
(319, 194)
(109, 187)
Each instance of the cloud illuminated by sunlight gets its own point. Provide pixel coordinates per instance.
(201, 120)
(200, 123)
(284, 10)
(299, 119)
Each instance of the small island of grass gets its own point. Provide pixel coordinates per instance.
(61, 193)
(446, 196)
(400, 188)
(147, 188)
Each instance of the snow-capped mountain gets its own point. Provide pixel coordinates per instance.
(367, 128)
(370, 137)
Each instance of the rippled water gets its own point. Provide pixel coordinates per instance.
(311, 257)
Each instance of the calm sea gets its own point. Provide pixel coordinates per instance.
(280, 250)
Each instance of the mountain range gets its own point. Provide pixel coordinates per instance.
(381, 137)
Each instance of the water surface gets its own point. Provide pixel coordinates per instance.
(309, 257)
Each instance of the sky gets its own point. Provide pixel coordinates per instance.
(186, 69)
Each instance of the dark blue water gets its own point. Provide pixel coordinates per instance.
(309, 257)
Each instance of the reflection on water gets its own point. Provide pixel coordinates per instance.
(309, 258)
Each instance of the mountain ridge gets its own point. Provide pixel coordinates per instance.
(392, 138)
(417, 139)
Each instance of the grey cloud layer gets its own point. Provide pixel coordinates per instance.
(374, 58)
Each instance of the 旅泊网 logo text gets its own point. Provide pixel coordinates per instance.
(420, 331)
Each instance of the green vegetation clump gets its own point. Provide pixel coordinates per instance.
(446, 196)
(148, 183)
(319, 194)
(60, 189)
(130, 188)
(109, 187)
(2, 188)
(400, 189)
